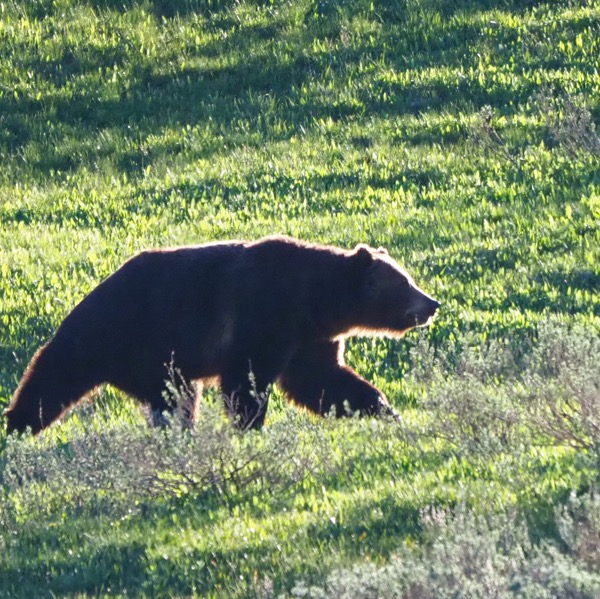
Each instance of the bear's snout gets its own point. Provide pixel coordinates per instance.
(434, 305)
(423, 308)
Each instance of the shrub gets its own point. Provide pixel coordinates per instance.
(563, 384)
(485, 135)
(569, 123)
(469, 556)
(482, 400)
(123, 466)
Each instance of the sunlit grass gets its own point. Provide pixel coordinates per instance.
(460, 135)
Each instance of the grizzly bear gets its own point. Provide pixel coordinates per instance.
(243, 314)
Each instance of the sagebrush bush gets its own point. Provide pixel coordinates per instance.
(500, 397)
(122, 466)
(569, 123)
(486, 136)
(466, 556)
(562, 382)
(578, 523)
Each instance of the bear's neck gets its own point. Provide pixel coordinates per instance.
(336, 307)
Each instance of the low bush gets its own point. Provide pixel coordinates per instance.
(123, 466)
(503, 398)
(468, 556)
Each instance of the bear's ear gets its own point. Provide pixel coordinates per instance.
(382, 250)
(362, 256)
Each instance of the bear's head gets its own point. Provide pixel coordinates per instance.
(390, 301)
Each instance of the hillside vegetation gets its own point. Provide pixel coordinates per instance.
(464, 137)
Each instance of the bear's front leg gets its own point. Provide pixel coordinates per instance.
(184, 400)
(245, 391)
(318, 379)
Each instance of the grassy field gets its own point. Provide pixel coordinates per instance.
(461, 135)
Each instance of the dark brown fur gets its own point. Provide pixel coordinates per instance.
(277, 308)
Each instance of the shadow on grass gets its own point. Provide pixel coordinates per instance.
(74, 566)
(64, 559)
(270, 89)
(40, 9)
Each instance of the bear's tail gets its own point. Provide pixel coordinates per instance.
(50, 385)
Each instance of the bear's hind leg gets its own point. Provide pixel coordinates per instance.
(51, 384)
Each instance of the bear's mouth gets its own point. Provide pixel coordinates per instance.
(423, 320)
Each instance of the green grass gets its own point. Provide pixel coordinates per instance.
(462, 136)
